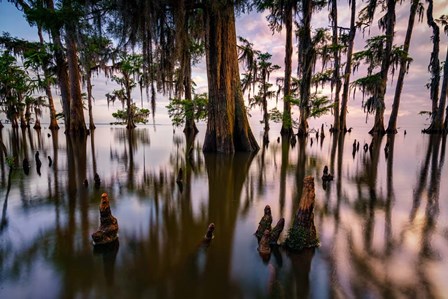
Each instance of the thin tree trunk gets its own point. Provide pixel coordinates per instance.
(130, 115)
(77, 122)
(53, 120)
(265, 102)
(27, 115)
(378, 126)
(442, 101)
(348, 68)
(308, 53)
(434, 66)
(336, 80)
(392, 127)
(228, 129)
(89, 99)
(61, 70)
(36, 121)
(287, 120)
(190, 126)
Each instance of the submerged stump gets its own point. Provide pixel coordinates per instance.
(263, 247)
(108, 230)
(303, 233)
(265, 222)
(276, 231)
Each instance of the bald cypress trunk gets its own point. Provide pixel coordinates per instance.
(61, 70)
(53, 120)
(392, 127)
(378, 126)
(336, 81)
(348, 68)
(307, 57)
(89, 100)
(77, 122)
(287, 120)
(228, 129)
(434, 64)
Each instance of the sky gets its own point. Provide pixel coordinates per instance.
(254, 27)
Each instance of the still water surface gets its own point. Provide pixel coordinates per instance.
(383, 222)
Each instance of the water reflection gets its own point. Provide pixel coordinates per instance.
(380, 215)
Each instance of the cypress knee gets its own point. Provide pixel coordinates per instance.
(265, 222)
(276, 231)
(263, 247)
(108, 230)
(303, 233)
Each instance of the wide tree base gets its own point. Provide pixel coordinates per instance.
(391, 131)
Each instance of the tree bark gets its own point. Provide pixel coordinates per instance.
(392, 127)
(77, 122)
(89, 100)
(348, 68)
(228, 129)
(308, 53)
(61, 70)
(130, 115)
(442, 101)
(190, 126)
(53, 121)
(434, 63)
(287, 120)
(336, 80)
(265, 102)
(378, 126)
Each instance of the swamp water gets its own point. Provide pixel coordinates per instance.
(382, 222)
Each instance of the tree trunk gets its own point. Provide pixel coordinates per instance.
(61, 70)
(308, 54)
(36, 121)
(287, 120)
(336, 80)
(53, 121)
(130, 115)
(348, 68)
(442, 101)
(378, 126)
(27, 115)
(228, 129)
(77, 122)
(265, 103)
(392, 127)
(190, 126)
(434, 65)
(89, 99)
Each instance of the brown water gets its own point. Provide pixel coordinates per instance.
(383, 223)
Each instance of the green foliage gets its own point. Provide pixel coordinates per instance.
(276, 116)
(15, 86)
(10, 161)
(181, 109)
(139, 115)
(320, 105)
(130, 69)
(300, 238)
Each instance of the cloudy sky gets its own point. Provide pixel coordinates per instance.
(254, 27)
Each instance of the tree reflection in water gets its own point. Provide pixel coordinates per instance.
(369, 229)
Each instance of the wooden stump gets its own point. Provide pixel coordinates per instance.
(276, 231)
(108, 230)
(303, 233)
(265, 222)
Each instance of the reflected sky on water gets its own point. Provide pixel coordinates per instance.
(382, 221)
